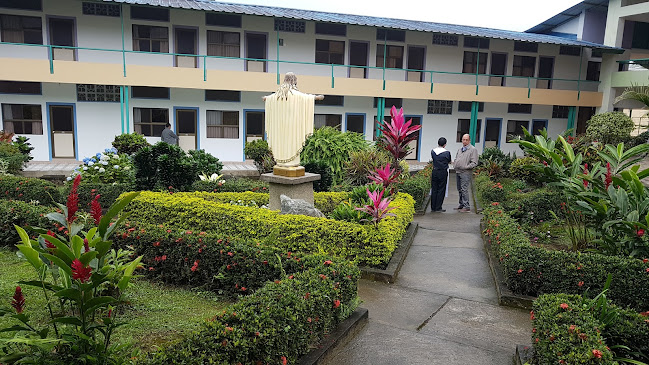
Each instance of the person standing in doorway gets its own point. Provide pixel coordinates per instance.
(441, 159)
(169, 136)
(466, 160)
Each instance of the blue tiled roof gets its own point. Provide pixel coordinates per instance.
(414, 25)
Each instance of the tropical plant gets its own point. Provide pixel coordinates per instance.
(211, 178)
(359, 196)
(333, 147)
(360, 163)
(635, 92)
(321, 168)
(494, 162)
(397, 134)
(82, 279)
(347, 211)
(24, 146)
(378, 209)
(164, 167)
(129, 143)
(386, 177)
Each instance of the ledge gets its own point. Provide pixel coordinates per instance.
(425, 205)
(286, 180)
(346, 330)
(505, 296)
(390, 273)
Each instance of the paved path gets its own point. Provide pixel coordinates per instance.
(443, 308)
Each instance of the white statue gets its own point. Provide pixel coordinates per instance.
(289, 120)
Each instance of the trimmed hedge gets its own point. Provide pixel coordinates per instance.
(21, 214)
(237, 185)
(278, 323)
(536, 205)
(29, 189)
(567, 328)
(108, 193)
(531, 270)
(364, 244)
(566, 332)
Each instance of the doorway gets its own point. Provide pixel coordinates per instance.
(186, 43)
(254, 121)
(416, 61)
(546, 70)
(414, 145)
(63, 33)
(186, 128)
(498, 67)
(256, 47)
(492, 133)
(62, 130)
(583, 116)
(358, 56)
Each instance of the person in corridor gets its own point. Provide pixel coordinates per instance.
(441, 159)
(465, 160)
(169, 136)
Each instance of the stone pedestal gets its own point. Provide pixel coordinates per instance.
(293, 187)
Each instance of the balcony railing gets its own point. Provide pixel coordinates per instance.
(368, 72)
(639, 64)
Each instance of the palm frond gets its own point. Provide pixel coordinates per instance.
(635, 92)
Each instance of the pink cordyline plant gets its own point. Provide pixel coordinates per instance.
(379, 208)
(385, 176)
(397, 134)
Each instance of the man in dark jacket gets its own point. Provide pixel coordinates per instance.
(441, 159)
(169, 136)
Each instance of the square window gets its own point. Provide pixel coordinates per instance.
(515, 129)
(463, 127)
(471, 60)
(560, 112)
(222, 124)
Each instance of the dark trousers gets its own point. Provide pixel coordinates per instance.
(438, 189)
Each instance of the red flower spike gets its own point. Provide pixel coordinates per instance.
(18, 301)
(73, 200)
(640, 232)
(95, 209)
(49, 244)
(284, 361)
(585, 173)
(86, 246)
(80, 272)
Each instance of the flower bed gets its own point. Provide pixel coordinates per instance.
(531, 270)
(29, 189)
(569, 329)
(364, 244)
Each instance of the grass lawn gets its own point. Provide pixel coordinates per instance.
(156, 313)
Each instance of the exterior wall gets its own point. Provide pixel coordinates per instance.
(569, 27)
(594, 26)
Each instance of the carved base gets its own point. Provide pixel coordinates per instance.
(296, 171)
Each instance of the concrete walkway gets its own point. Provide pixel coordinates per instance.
(443, 308)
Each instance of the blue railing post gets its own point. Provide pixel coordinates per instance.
(204, 68)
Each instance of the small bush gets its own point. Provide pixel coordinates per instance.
(609, 128)
(641, 138)
(235, 185)
(24, 146)
(488, 191)
(164, 167)
(418, 187)
(205, 162)
(536, 205)
(332, 147)
(105, 168)
(21, 214)
(320, 167)
(29, 189)
(259, 151)
(361, 163)
(15, 159)
(129, 143)
(494, 162)
(346, 211)
(521, 169)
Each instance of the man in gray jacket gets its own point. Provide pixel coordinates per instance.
(169, 136)
(465, 160)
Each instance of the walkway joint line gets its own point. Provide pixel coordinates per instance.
(434, 313)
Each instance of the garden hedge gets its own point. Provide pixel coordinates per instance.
(532, 270)
(29, 189)
(108, 193)
(418, 186)
(278, 323)
(21, 214)
(568, 329)
(236, 185)
(363, 244)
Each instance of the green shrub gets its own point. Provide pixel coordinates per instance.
(275, 325)
(20, 214)
(494, 162)
(488, 191)
(641, 138)
(346, 211)
(418, 187)
(361, 243)
(205, 162)
(236, 185)
(535, 205)
(629, 329)
(361, 163)
(105, 168)
(15, 159)
(566, 332)
(320, 167)
(24, 147)
(609, 128)
(521, 169)
(164, 167)
(259, 151)
(29, 189)
(108, 193)
(359, 196)
(129, 143)
(333, 147)
(531, 270)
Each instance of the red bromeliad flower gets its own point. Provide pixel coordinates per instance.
(608, 179)
(379, 208)
(73, 200)
(19, 300)
(95, 209)
(49, 244)
(80, 272)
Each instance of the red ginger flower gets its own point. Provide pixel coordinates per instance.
(80, 272)
(73, 199)
(95, 209)
(608, 179)
(585, 173)
(86, 246)
(640, 232)
(49, 244)
(19, 300)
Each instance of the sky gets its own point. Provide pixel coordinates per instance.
(516, 15)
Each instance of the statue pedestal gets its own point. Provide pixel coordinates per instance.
(293, 187)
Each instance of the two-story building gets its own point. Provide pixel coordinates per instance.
(76, 73)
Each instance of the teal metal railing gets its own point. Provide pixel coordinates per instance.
(644, 62)
(432, 73)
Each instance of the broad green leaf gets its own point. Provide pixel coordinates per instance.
(24, 237)
(128, 272)
(77, 245)
(76, 228)
(68, 320)
(59, 262)
(97, 302)
(71, 293)
(58, 217)
(113, 211)
(40, 284)
(102, 247)
(87, 257)
(60, 245)
(31, 255)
